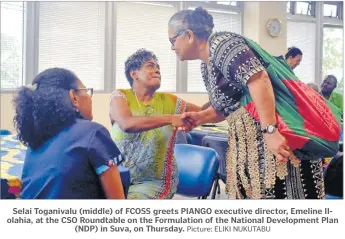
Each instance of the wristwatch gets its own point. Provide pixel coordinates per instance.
(270, 129)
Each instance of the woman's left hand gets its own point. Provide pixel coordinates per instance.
(193, 119)
(278, 145)
(178, 122)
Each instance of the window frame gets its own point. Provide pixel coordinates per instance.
(331, 22)
(178, 6)
(31, 34)
(339, 5)
(108, 38)
(184, 65)
(321, 22)
(31, 44)
(24, 50)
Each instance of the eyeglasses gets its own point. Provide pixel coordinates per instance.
(173, 39)
(88, 91)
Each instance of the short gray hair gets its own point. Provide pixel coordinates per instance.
(199, 21)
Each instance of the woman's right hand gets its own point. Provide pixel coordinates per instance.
(278, 145)
(194, 118)
(178, 122)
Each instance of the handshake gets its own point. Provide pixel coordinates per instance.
(186, 121)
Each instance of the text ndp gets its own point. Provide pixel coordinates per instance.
(134, 220)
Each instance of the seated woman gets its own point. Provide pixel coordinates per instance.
(143, 128)
(68, 156)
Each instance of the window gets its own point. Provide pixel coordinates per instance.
(330, 10)
(288, 7)
(12, 44)
(228, 3)
(302, 35)
(303, 8)
(71, 35)
(144, 25)
(223, 21)
(333, 10)
(94, 39)
(333, 55)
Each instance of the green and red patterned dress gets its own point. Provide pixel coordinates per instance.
(149, 155)
(309, 123)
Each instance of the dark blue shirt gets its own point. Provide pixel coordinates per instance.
(68, 166)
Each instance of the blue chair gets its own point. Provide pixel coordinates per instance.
(333, 177)
(220, 145)
(183, 138)
(331, 197)
(5, 132)
(197, 136)
(197, 168)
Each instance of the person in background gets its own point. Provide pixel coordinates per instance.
(314, 87)
(143, 122)
(327, 90)
(68, 155)
(293, 57)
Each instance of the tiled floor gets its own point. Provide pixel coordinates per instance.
(221, 196)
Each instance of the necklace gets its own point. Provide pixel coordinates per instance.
(149, 110)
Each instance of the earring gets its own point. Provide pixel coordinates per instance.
(76, 110)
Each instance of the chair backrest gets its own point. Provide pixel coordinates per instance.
(220, 145)
(197, 167)
(5, 132)
(183, 138)
(331, 197)
(189, 138)
(333, 176)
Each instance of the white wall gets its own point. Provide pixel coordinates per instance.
(256, 17)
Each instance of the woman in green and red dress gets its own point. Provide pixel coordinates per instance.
(272, 126)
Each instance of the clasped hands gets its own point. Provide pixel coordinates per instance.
(186, 121)
(276, 142)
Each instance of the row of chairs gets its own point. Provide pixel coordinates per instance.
(190, 157)
(200, 167)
